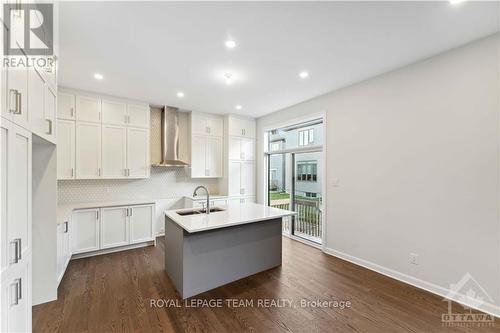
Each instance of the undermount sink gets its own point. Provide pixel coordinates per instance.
(198, 211)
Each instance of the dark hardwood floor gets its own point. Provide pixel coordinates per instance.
(113, 293)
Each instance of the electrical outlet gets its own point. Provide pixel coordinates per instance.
(413, 258)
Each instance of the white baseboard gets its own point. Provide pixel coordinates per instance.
(486, 307)
(114, 249)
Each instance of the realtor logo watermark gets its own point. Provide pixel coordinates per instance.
(29, 29)
(28, 35)
(467, 291)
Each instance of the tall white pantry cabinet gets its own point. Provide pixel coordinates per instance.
(239, 177)
(28, 108)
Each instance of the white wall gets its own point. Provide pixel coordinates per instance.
(416, 154)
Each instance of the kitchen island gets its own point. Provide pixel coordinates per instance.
(205, 251)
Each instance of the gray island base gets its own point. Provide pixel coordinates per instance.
(201, 261)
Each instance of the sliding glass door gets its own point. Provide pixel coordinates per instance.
(307, 198)
(294, 164)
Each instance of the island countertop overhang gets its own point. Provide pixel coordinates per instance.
(232, 215)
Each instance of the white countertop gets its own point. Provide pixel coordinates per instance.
(233, 214)
(64, 211)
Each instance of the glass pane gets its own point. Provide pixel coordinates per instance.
(279, 185)
(307, 197)
(297, 135)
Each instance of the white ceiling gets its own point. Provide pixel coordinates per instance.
(149, 51)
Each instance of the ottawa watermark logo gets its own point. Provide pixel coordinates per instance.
(467, 291)
(28, 30)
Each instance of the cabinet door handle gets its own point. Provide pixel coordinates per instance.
(97, 214)
(65, 227)
(13, 92)
(72, 112)
(99, 172)
(19, 283)
(19, 249)
(19, 108)
(16, 295)
(131, 211)
(50, 126)
(72, 172)
(15, 242)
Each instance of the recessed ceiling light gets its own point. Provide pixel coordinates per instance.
(238, 107)
(456, 2)
(228, 77)
(98, 76)
(230, 44)
(180, 94)
(304, 75)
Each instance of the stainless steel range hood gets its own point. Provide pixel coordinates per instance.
(170, 139)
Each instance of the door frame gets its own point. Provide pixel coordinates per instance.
(324, 173)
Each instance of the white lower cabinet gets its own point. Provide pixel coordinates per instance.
(141, 229)
(85, 230)
(16, 299)
(63, 248)
(114, 227)
(109, 227)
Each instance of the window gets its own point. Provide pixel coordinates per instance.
(277, 145)
(306, 137)
(311, 195)
(307, 171)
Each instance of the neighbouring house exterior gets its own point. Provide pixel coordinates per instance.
(307, 165)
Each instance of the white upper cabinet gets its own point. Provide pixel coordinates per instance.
(88, 108)
(243, 127)
(112, 136)
(241, 149)
(66, 106)
(114, 113)
(247, 178)
(41, 106)
(206, 146)
(203, 124)
(65, 149)
(114, 151)
(88, 150)
(206, 159)
(17, 97)
(213, 158)
(36, 88)
(241, 178)
(50, 110)
(198, 153)
(138, 161)
(138, 115)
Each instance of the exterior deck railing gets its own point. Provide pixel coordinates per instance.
(308, 220)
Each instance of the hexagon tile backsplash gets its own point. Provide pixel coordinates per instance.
(164, 183)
